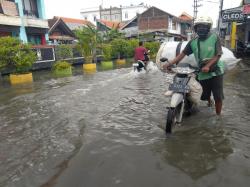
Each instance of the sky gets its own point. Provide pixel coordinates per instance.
(72, 8)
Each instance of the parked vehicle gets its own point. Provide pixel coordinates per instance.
(242, 48)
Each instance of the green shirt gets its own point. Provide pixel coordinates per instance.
(209, 48)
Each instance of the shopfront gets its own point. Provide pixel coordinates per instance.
(236, 30)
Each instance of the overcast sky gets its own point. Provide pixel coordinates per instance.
(71, 8)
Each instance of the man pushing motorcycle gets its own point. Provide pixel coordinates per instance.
(207, 50)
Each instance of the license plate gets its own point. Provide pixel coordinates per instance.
(135, 64)
(179, 88)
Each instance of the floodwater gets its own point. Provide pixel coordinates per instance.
(107, 129)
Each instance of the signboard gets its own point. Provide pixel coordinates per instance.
(231, 16)
(246, 9)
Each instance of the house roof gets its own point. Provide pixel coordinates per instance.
(111, 24)
(57, 21)
(73, 20)
(73, 23)
(153, 7)
(128, 22)
(185, 16)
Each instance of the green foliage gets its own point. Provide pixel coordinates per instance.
(146, 37)
(153, 47)
(112, 34)
(24, 59)
(61, 65)
(63, 52)
(88, 39)
(119, 48)
(132, 44)
(15, 55)
(107, 52)
(8, 49)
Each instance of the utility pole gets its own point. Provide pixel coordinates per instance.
(219, 19)
(196, 6)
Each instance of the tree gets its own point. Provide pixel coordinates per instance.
(88, 39)
(113, 34)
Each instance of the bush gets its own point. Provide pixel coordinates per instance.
(63, 52)
(132, 44)
(61, 65)
(107, 52)
(8, 49)
(153, 47)
(119, 48)
(24, 59)
(15, 55)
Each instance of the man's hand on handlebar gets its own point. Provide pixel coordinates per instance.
(167, 66)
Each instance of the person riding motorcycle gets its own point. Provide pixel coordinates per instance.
(207, 50)
(141, 56)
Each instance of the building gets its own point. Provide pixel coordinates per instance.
(186, 25)
(235, 27)
(118, 14)
(129, 12)
(24, 19)
(104, 25)
(111, 14)
(130, 28)
(59, 32)
(75, 24)
(161, 25)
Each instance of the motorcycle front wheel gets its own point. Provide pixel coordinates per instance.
(171, 120)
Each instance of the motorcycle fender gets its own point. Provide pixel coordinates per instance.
(176, 99)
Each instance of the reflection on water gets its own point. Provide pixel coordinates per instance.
(196, 152)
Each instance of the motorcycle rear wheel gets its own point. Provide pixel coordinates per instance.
(171, 120)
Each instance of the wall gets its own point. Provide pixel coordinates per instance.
(132, 12)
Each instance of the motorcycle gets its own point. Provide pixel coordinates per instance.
(179, 102)
(140, 64)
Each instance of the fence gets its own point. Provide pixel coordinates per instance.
(46, 56)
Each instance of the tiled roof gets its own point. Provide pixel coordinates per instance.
(185, 16)
(111, 24)
(76, 21)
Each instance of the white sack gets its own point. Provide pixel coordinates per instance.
(168, 50)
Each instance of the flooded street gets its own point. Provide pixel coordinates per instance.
(106, 129)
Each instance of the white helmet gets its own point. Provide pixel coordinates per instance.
(203, 20)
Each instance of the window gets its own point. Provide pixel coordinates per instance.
(170, 23)
(94, 17)
(85, 17)
(126, 15)
(174, 25)
(30, 8)
(34, 39)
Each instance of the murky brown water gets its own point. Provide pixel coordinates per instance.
(106, 129)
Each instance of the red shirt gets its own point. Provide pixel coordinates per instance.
(139, 53)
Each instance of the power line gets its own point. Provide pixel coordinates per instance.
(219, 19)
(196, 6)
